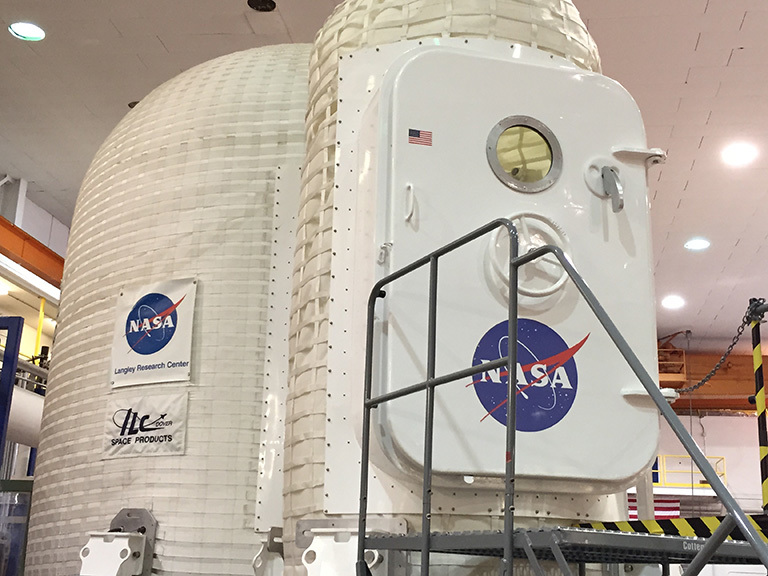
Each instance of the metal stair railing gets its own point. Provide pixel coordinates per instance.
(431, 383)
(735, 516)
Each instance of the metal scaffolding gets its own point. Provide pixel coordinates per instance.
(562, 545)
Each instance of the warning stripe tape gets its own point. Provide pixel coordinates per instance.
(693, 527)
(757, 363)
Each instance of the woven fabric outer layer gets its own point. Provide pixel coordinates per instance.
(550, 25)
(183, 187)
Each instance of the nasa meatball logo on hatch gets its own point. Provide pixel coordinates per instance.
(153, 333)
(547, 376)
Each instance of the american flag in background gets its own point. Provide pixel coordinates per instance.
(664, 508)
(419, 137)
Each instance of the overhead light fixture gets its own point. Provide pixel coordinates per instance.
(673, 302)
(3, 290)
(262, 5)
(739, 154)
(25, 279)
(27, 31)
(697, 243)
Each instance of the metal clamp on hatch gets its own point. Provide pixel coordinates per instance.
(613, 188)
(602, 174)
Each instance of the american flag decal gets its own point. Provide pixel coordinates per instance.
(419, 137)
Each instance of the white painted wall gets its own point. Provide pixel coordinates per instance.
(43, 227)
(731, 436)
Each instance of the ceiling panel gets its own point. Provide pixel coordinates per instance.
(695, 67)
(61, 97)
(722, 98)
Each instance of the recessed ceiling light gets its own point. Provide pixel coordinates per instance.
(697, 244)
(262, 5)
(739, 154)
(27, 31)
(673, 302)
(3, 290)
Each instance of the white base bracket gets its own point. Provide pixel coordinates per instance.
(113, 554)
(126, 550)
(332, 549)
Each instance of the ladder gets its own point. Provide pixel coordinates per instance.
(564, 544)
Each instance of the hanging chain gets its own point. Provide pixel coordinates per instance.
(749, 316)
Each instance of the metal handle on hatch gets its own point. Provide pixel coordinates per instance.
(613, 188)
(410, 202)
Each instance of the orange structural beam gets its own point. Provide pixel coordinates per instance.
(30, 253)
(729, 389)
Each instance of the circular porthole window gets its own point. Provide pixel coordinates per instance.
(524, 154)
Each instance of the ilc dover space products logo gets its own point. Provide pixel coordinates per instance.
(131, 423)
(152, 425)
(547, 375)
(151, 323)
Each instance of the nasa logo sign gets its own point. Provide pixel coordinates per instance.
(151, 323)
(152, 337)
(547, 376)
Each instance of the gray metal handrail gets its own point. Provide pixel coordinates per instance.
(736, 516)
(734, 510)
(430, 384)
